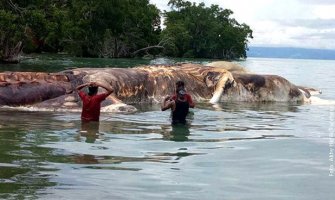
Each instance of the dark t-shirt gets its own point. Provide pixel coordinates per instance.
(91, 106)
(180, 112)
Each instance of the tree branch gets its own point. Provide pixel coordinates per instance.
(147, 48)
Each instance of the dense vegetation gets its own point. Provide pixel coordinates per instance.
(209, 32)
(119, 28)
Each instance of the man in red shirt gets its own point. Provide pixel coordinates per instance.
(92, 100)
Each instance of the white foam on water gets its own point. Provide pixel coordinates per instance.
(36, 109)
(113, 108)
(118, 108)
(314, 100)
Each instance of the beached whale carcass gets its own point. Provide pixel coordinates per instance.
(145, 84)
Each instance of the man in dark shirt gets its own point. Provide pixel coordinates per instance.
(179, 104)
(180, 85)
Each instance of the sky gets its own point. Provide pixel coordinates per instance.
(281, 23)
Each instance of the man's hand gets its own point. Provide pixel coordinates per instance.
(167, 103)
(167, 98)
(93, 84)
(82, 86)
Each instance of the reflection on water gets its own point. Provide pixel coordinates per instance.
(279, 107)
(90, 130)
(22, 170)
(55, 63)
(177, 132)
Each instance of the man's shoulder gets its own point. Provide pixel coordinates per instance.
(101, 96)
(188, 95)
(81, 93)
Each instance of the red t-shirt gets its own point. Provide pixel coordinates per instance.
(188, 98)
(91, 106)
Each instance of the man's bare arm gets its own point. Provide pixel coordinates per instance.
(82, 86)
(167, 103)
(109, 90)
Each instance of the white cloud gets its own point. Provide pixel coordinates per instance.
(289, 23)
(309, 23)
(325, 12)
(318, 2)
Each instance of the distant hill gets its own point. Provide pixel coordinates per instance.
(289, 52)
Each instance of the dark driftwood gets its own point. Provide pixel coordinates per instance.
(160, 45)
(147, 48)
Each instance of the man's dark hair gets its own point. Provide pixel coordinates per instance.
(180, 84)
(92, 90)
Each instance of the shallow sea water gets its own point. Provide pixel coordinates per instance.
(227, 151)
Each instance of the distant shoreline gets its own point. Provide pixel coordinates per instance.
(291, 52)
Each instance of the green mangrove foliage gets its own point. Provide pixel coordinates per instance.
(11, 33)
(119, 28)
(205, 32)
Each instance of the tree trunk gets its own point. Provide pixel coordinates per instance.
(12, 55)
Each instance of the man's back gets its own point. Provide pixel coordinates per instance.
(91, 106)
